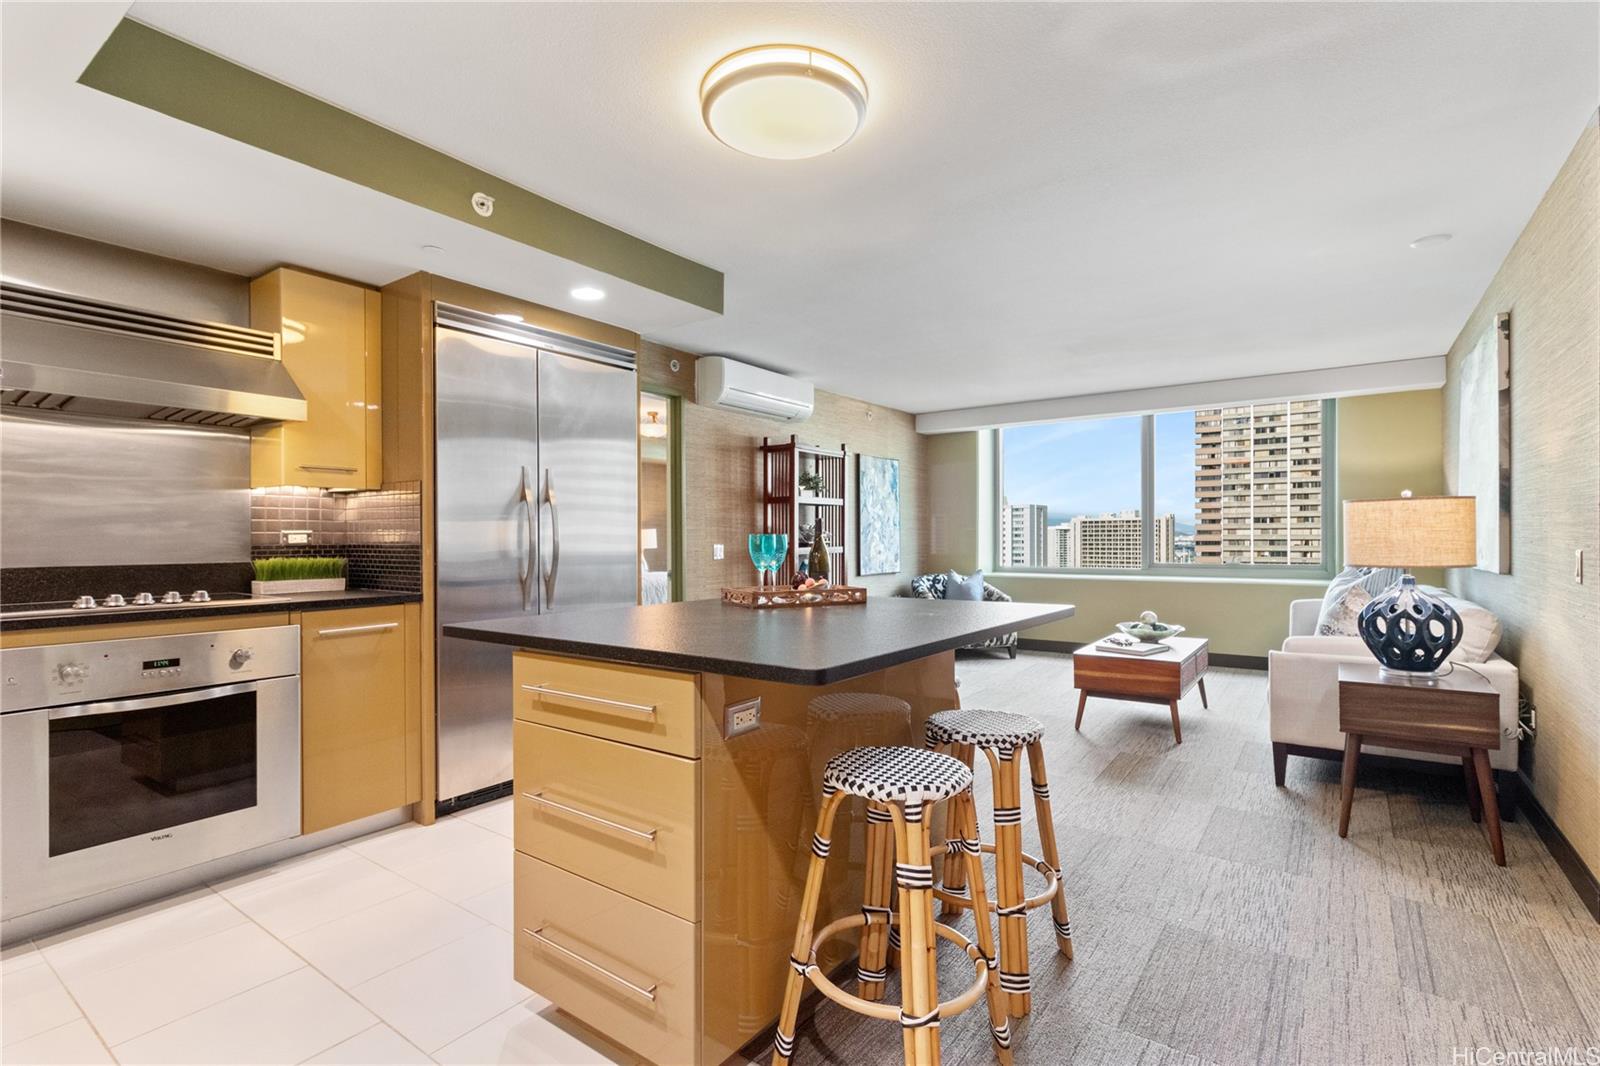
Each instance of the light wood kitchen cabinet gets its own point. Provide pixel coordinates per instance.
(331, 347)
(358, 701)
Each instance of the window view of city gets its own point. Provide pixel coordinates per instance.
(1234, 485)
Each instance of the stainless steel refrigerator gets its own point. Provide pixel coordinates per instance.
(536, 509)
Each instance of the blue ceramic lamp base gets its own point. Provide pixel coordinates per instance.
(1409, 631)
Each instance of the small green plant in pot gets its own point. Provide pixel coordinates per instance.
(811, 483)
(297, 574)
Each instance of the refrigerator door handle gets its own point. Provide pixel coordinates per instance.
(525, 571)
(555, 540)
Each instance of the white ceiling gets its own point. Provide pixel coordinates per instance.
(1046, 199)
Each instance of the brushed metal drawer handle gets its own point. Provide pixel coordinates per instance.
(328, 469)
(376, 627)
(642, 834)
(647, 993)
(645, 710)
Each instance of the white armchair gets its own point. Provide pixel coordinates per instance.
(1303, 698)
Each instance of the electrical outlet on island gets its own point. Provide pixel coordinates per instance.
(741, 717)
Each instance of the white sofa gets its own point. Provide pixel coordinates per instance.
(1303, 695)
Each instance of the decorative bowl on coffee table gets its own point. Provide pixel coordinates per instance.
(1154, 632)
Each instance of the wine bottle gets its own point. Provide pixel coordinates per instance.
(817, 563)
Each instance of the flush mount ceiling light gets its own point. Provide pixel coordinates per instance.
(588, 292)
(783, 101)
(652, 426)
(1431, 240)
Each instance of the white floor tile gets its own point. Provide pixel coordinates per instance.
(494, 906)
(465, 870)
(298, 899)
(532, 1033)
(73, 1044)
(20, 956)
(139, 933)
(497, 817)
(33, 1001)
(378, 1046)
(363, 945)
(282, 1021)
(448, 992)
(284, 869)
(411, 844)
(134, 998)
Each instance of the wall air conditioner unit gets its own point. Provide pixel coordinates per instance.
(720, 382)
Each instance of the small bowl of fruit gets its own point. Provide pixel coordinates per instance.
(809, 588)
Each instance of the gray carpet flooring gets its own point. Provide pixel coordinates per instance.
(1219, 919)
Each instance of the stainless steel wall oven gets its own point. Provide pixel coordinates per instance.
(122, 760)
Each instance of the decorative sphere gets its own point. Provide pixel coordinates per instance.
(1148, 617)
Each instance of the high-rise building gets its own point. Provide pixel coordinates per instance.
(1022, 538)
(1109, 541)
(1258, 483)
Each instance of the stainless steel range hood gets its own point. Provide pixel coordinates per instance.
(65, 353)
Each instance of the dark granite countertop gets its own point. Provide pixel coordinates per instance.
(299, 601)
(797, 646)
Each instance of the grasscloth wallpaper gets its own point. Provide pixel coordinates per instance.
(722, 484)
(1551, 285)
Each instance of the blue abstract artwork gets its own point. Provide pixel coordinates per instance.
(878, 505)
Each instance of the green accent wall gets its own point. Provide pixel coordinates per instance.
(151, 69)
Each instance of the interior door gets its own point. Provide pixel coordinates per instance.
(486, 415)
(588, 487)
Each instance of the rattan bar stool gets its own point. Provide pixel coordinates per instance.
(905, 782)
(1001, 735)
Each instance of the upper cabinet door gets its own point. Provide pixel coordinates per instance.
(330, 348)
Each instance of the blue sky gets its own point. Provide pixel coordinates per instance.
(1092, 466)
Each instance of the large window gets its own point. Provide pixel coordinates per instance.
(1237, 485)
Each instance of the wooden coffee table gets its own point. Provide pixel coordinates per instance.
(1165, 677)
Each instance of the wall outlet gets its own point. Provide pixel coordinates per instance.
(295, 536)
(741, 717)
(716, 551)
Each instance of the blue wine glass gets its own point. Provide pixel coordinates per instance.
(780, 553)
(769, 552)
(759, 558)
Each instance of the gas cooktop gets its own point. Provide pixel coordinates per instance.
(197, 600)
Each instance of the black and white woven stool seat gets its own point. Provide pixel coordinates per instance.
(983, 729)
(896, 775)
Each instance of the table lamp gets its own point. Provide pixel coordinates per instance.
(1406, 628)
(647, 543)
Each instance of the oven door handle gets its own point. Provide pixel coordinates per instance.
(79, 710)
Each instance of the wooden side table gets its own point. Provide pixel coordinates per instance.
(1457, 714)
(1163, 678)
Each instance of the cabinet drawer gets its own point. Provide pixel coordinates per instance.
(615, 814)
(635, 705)
(612, 962)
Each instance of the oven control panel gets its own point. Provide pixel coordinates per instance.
(126, 669)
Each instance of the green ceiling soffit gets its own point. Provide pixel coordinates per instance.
(149, 68)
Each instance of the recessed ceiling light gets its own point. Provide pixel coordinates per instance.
(588, 292)
(783, 101)
(1431, 240)
(509, 318)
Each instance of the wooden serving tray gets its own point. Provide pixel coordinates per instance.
(832, 596)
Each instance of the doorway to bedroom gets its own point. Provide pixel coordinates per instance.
(660, 499)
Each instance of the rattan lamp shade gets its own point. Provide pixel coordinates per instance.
(1411, 531)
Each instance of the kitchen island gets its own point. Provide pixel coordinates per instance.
(668, 763)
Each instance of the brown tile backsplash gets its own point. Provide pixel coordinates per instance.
(391, 515)
(378, 532)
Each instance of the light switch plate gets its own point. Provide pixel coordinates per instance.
(716, 551)
(741, 717)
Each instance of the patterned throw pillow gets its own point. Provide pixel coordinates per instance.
(1340, 619)
(1371, 578)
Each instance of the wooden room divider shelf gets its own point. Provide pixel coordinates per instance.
(784, 509)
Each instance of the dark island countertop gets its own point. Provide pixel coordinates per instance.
(796, 646)
(297, 601)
